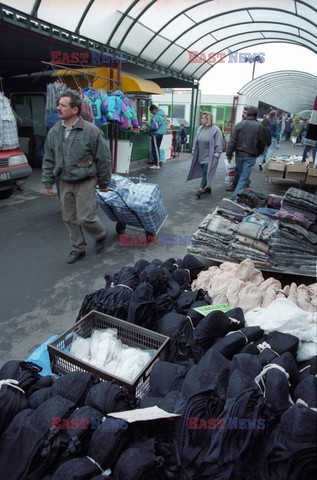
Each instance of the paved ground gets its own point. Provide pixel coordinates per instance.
(41, 294)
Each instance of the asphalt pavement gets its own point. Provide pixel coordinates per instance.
(41, 294)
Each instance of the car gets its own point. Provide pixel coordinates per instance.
(14, 170)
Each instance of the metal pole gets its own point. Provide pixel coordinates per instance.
(192, 130)
(116, 128)
(191, 118)
(172, 110)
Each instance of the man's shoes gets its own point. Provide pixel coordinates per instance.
(207, 190)
(100, 244)
(155, 167)
(260, 167)
(230, 188)
(74, 256)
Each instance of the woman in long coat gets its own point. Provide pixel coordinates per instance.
(206, 153)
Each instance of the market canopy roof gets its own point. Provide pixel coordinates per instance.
(288, 90)
(99, 78)
(158, 34)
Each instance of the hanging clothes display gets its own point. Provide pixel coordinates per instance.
(117, 107)
(8, 127)
(93, 107)
(53, 91)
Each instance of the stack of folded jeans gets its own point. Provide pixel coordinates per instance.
(270, 235)
(223, 237)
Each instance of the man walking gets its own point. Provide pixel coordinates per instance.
(275, 134)
(157, 127)
(76, 153)
(248, 142)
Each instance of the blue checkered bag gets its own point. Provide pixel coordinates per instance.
(118, 181)
(138, 205)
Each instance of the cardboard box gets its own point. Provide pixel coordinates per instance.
(296, 171)
(311, 177)
(274, 169)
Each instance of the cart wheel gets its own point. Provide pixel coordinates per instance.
(120, 227)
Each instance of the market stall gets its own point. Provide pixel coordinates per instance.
(234, 370)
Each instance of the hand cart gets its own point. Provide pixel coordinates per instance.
(138, 205)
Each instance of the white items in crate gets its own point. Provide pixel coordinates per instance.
(105, 351)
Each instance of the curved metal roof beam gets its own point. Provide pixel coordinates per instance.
(203, 2)
(262, 89)
(35, 8)
(134, 22)
(82, 18)
(300, 88)
(236, 24)
(281, 76)
(230, 12)
(121, 20)
(172, 20)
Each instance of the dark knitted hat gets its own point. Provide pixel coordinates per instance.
(170, 323)
(206, 375)
(166, 377)
(307, 390)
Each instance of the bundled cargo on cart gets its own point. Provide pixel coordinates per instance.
(135, 204)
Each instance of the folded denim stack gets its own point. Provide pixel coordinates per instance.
(269, 235)
(232, 231)
(296, 226)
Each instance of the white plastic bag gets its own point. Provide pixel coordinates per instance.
(230, 170)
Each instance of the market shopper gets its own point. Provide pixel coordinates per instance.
(157, 128)
(296, 130)
(182, 136)
(77, 155)
(206, 153)
(268, 140)
(248, 141)
(288, 128)
(275, 134)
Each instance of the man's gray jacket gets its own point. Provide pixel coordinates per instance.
(248, 139)
(84, 154)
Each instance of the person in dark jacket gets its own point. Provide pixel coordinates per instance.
(288, 128)
(275, 134)
(182, 136)
(268, 139)
(248, 141)
(77, 154)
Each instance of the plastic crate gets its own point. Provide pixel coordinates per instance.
(62, 362)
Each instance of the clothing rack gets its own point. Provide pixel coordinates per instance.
(110, 84)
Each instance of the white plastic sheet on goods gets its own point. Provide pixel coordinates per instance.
(105, 351)
(286, 317)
